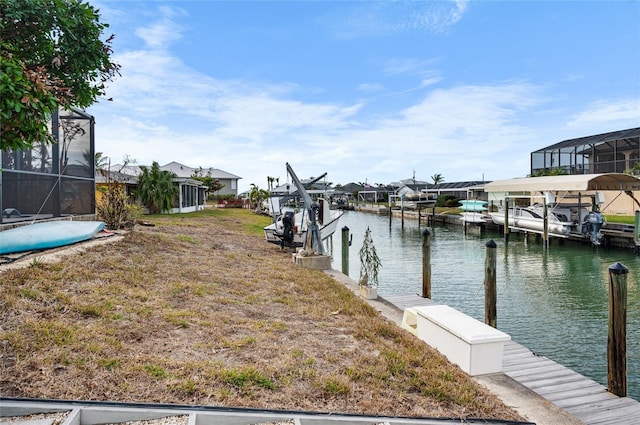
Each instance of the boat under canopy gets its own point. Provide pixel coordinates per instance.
(558, 217)
(570, 183)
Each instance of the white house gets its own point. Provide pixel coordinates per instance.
(191, 192)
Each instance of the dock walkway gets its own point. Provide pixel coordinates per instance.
(581, 397)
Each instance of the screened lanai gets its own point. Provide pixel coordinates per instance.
(51, 180)
(613, 152)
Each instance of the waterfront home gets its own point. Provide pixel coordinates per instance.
(192, 194)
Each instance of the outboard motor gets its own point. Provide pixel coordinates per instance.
(591, 226)
(288, 226)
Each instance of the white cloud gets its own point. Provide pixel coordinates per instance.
(378, 18)
(164, 32)
(624, 113)
(370, 87)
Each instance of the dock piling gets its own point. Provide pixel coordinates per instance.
(426, 263)
(617, 339)
(346, 243)
(490, 291)
(506, 220)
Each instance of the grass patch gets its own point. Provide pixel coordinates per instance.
(246, 377)
(333, 386)
(156, 371)
(620, 219)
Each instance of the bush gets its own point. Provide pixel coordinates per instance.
(115, 207)
(443, 200)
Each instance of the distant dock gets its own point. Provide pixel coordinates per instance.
(618, 236)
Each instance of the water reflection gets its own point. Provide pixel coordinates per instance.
(554, 302)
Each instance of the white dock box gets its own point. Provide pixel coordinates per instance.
(474, 346)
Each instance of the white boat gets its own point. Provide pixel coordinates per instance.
(307, 226)
(475, 217)
(289, 228)
(562, 221)
(414, 199)
(528, 219)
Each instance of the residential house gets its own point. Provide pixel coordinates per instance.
(192, 194)
(228, 181)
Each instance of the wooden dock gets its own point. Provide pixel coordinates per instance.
(581, 397)
(618, 236)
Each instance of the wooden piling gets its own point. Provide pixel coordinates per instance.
(636, 229)
(617, 340)
(345, 250)
(426, 263)
(545, 221)
(490, 288)
(506, 220)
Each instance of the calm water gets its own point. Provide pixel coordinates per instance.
(554, 302)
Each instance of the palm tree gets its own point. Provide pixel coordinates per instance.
(156, 189)
(100, 160)
(437, 178)
(256, 196)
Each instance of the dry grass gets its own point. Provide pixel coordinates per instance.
(201, 310)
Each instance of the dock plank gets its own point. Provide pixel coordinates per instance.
(546, 384)
(525, 363)
(547, 369)
(617, 411)
(582, 401)
(575, 392)
(586, 384)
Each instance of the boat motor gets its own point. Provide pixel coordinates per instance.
(593, 221)
(288, 226)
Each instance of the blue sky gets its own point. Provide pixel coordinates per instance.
(363, 90)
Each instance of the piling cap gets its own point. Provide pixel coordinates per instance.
(491, 244)
(618, 268)
(426, 232)
(345, 228)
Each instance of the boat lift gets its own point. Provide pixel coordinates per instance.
(569, 186)
(313, 241)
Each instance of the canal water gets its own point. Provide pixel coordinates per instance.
(553, 301)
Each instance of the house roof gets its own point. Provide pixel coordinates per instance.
(576, 182)
(104, 176)
(457, 185)
(182, 170)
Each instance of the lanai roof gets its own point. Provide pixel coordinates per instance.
(576, 182)
(596, 139)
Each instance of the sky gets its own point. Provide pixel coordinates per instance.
(366, 91)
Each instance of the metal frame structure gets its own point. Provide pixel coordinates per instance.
(51, 180)
(613, 152)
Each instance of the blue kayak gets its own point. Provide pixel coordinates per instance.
(473, 205)
(50, 234)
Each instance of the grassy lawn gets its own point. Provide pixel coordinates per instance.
(199, 309)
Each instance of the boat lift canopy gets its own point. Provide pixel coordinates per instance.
(568, 183)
